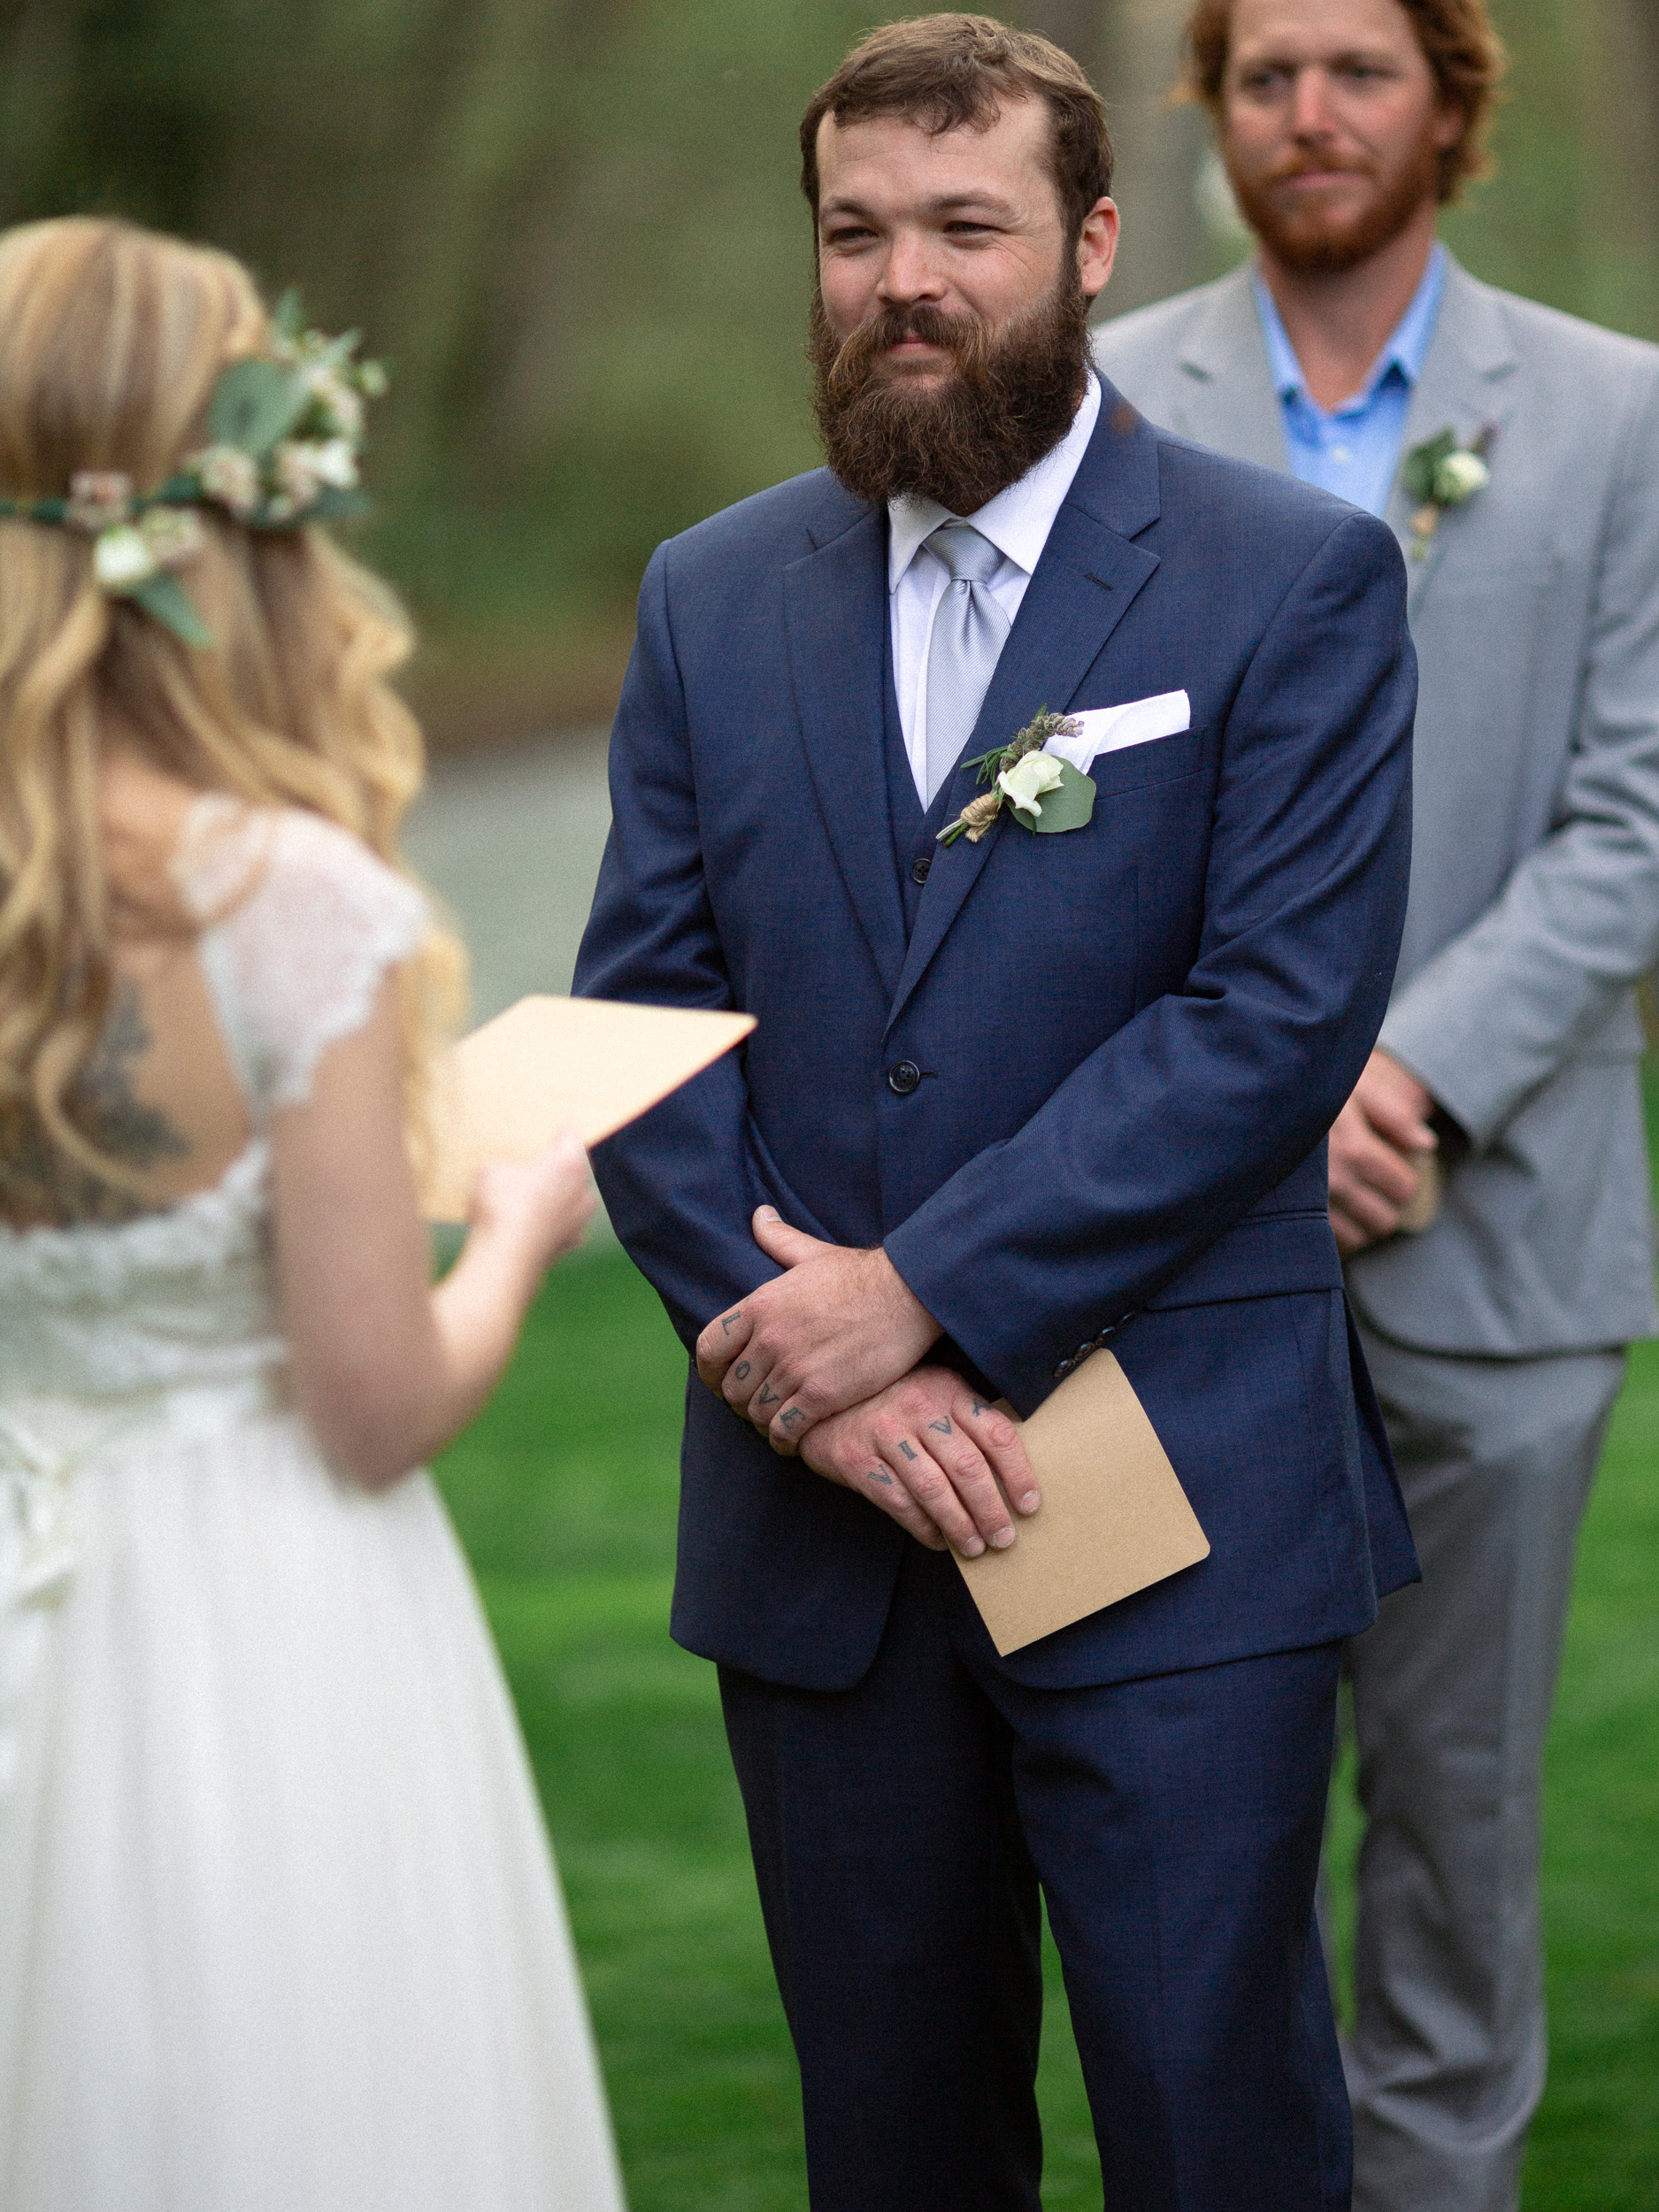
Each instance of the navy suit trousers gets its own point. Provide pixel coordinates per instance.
(902, 1830)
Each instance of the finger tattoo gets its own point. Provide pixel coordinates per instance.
(905, 1448)
(741, 1371)
(980, 1406)
(792, 1417)
(880, 1474)
(942, 1428)
(767, 1396)
(729, 1321)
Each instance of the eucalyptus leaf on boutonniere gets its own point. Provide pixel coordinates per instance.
(1044, 793)
(1441, 473)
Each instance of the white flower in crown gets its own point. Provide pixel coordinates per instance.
(303, 466)
(294, 473)
(335, 461)
(230, 476)
(338, 401)
(122, 557)
(1031, 775)
(173, 534)
(98, 498)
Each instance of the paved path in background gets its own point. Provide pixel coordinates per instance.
(510, 840)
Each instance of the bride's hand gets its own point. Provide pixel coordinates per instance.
(543, 1205)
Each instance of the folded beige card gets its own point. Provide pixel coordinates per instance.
(547, 1063)
(1113, 1517)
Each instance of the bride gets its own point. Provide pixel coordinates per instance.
(279, 1927)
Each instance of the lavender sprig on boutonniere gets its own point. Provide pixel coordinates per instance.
(1045, 793)
(1441, 473)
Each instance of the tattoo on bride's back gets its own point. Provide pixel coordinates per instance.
(39, 1180)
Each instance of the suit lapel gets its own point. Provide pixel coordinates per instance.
(1225, 391)
(1467, 385)
(835, 613)
(1082, 586)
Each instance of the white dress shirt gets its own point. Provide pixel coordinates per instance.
(1017, 522)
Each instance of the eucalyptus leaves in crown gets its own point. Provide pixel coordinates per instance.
(285, 432)
(1045, 793)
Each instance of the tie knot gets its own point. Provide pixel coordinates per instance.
(971, 558)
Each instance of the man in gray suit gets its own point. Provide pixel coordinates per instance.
(1506, 1067)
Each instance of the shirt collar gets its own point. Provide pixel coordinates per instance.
(1406, 351)
(1017, 521)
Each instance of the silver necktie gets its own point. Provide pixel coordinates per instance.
(969, 631)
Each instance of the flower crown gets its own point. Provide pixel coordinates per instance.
(285, 432)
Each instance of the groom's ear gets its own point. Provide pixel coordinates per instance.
(1098, 247)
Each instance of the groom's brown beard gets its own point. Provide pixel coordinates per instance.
(1010, 400)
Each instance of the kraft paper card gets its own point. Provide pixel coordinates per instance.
(547, 1063)
(1113, 1517)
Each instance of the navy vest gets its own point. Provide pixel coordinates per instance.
(915, 834)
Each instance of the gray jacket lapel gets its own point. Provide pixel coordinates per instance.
(1225, 395)
(1468, 386)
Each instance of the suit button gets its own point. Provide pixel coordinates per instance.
(919, 867)
(1064, 1370)
(1083, 1352)
(903, 1077)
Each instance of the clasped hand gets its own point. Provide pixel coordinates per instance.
(1377, 1145)
(825, 1361)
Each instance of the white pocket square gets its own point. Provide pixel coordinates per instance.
(1109, 729)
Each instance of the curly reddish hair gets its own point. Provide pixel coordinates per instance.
(1458, 43)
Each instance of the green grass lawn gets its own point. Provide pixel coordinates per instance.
(565, 1495)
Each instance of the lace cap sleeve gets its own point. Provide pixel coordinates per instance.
(301, 923)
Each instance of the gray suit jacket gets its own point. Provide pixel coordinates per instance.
(1534, 902)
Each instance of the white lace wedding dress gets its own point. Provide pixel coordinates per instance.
(279, 1926)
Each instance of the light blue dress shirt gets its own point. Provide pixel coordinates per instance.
(1353, 449)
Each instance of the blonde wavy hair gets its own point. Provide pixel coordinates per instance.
(112, 341)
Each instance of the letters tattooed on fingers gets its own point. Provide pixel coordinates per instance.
(790, 1419)
(741, 1371)
(942, 1428)
(729, 1321)
(905, 1448)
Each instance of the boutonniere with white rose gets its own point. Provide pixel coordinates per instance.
(1044, 793)
(1441, 473)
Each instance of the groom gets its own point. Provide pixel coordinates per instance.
(1009, 1099)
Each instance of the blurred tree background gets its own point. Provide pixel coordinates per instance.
(573, 229)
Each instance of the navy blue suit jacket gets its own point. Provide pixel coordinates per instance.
(1132, 1037)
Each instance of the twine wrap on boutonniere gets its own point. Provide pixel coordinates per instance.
(1441, 473)
(1044, 793)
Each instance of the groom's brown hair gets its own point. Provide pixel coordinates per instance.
(944, 71)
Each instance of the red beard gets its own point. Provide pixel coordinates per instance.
(1310, 238)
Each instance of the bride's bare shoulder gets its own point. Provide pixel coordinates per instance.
(175, 855)
(143, 817)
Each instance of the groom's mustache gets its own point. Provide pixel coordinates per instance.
(961, 438)
(962, 336)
